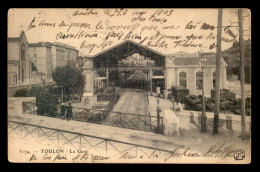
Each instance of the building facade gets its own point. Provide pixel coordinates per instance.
(40, 55)
(166, 71)
(47, 56)
(185, 71)
(19, 65)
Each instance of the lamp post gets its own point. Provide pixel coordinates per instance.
(202, 64)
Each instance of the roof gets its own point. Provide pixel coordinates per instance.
(49, 44)
(182, 54)
(124, 42)
(65, 45)
(40, 44)
(192, 61)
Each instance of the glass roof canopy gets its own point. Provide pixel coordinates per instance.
(112, 57)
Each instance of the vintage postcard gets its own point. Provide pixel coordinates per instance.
(129, 86)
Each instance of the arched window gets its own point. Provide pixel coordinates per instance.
(183, 79)
(214, 80)
(23, 52)
(199, 80)
(23, 58)
(22, 75)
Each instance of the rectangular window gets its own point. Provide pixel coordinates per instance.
(183, 79)
(199, 80)
(183, 83)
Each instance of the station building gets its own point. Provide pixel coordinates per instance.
(117, 64)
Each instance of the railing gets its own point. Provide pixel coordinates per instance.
(92, 144)
(135, 121)
(29, 107)
(118, 119)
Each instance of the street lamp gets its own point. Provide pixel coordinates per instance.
(202, 64)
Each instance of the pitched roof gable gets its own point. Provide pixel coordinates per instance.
(124, 42)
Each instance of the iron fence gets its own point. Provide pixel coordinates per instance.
(29, 107)
(118, 119)
(92, 144)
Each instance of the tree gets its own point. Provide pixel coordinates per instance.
(70, 80)
(46, 102)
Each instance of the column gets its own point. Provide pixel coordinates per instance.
(89, 86)
(107, 72)
(151, 83)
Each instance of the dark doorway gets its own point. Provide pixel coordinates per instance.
(158, 83)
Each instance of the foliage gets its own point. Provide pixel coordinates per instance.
(236, 71)
(54, 90)
(70, 79)
(33, 91)
(46, 102)
(27, 92)
(21, 93)
(47, 98)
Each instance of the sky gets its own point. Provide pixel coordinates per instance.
(151, 22)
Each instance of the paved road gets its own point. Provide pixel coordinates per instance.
(132, 101)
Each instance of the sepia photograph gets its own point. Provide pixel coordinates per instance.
(129, 85)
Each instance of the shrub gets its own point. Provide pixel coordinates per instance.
(33, 91)
(21, 93)
(46, 102)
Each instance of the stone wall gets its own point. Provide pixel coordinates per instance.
(170, 77)
(230, 122)
(15, 104)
